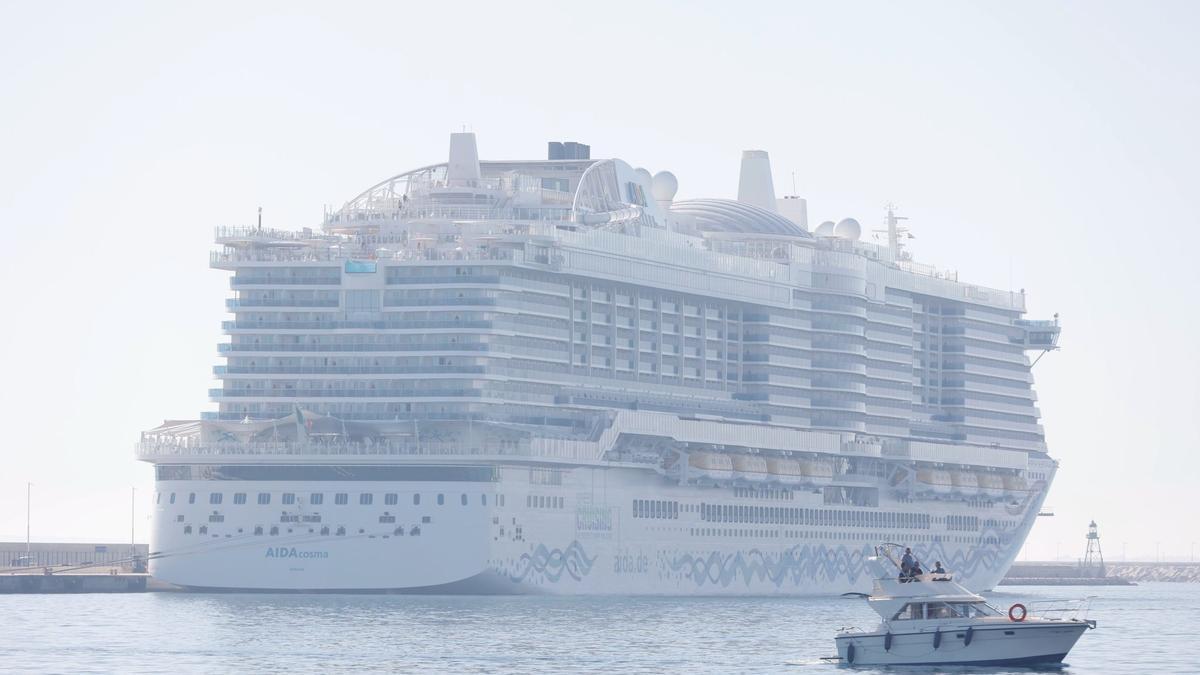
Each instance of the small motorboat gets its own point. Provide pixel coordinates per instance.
(928, 619)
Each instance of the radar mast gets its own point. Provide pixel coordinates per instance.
(896, 232)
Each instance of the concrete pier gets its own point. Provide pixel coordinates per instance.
(40, 582)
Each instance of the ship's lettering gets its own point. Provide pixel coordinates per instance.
(628, 563)
(293, 552)
(593, 519)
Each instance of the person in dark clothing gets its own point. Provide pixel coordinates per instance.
(938, 569)
(906, 564)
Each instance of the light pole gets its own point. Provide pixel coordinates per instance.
(28, 490)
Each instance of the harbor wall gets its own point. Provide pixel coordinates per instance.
(54, 554)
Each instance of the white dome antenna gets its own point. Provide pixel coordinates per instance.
(847, 228)
(663, 187)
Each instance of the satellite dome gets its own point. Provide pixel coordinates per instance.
(825, 229)
(643, 174)
(664, 186)
(847, 228)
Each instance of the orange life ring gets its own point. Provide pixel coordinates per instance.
(1012, 613)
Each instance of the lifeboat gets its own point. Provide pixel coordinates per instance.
(750, 467)
(817, 470)
(991, 484)
(936, 480)
(785, 470)
(965, 482)
(1015, 484)
(710, 465)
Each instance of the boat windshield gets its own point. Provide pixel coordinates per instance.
(944, 610)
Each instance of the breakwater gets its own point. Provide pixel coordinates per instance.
(1144, 572)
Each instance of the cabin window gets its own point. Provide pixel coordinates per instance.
(913, 611)
(341, 499)
(316, 498)
(391, 499)
(264, 498)
(941, 610)
(289, 498)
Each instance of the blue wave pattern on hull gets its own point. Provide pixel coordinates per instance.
(551, 564)
(801, 564)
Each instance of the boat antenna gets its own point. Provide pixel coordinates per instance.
(260, 217)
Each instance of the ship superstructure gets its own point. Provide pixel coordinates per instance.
(551, 376)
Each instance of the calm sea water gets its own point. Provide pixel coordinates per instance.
(1149, 628)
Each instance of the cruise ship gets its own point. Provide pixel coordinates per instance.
(552, 376)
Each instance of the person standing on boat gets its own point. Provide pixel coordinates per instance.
(906, 564)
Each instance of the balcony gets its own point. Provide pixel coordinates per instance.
(226, 348)
(237, 281)
(221, 394)
(234, 304)
(348, 370)
(332, 325)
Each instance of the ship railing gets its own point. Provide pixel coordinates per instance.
(158, 448)
(1061, 609)
(257, 233)
(333, 254)
(926, 270)
(427, 209)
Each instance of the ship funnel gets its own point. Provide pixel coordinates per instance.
(463, 168)
(794, 209)
(755, 186)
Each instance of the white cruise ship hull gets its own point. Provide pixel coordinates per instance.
(622, 531)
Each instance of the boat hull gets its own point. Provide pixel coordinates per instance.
(1007, 644)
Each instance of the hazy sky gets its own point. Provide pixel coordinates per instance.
(1051, 146)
